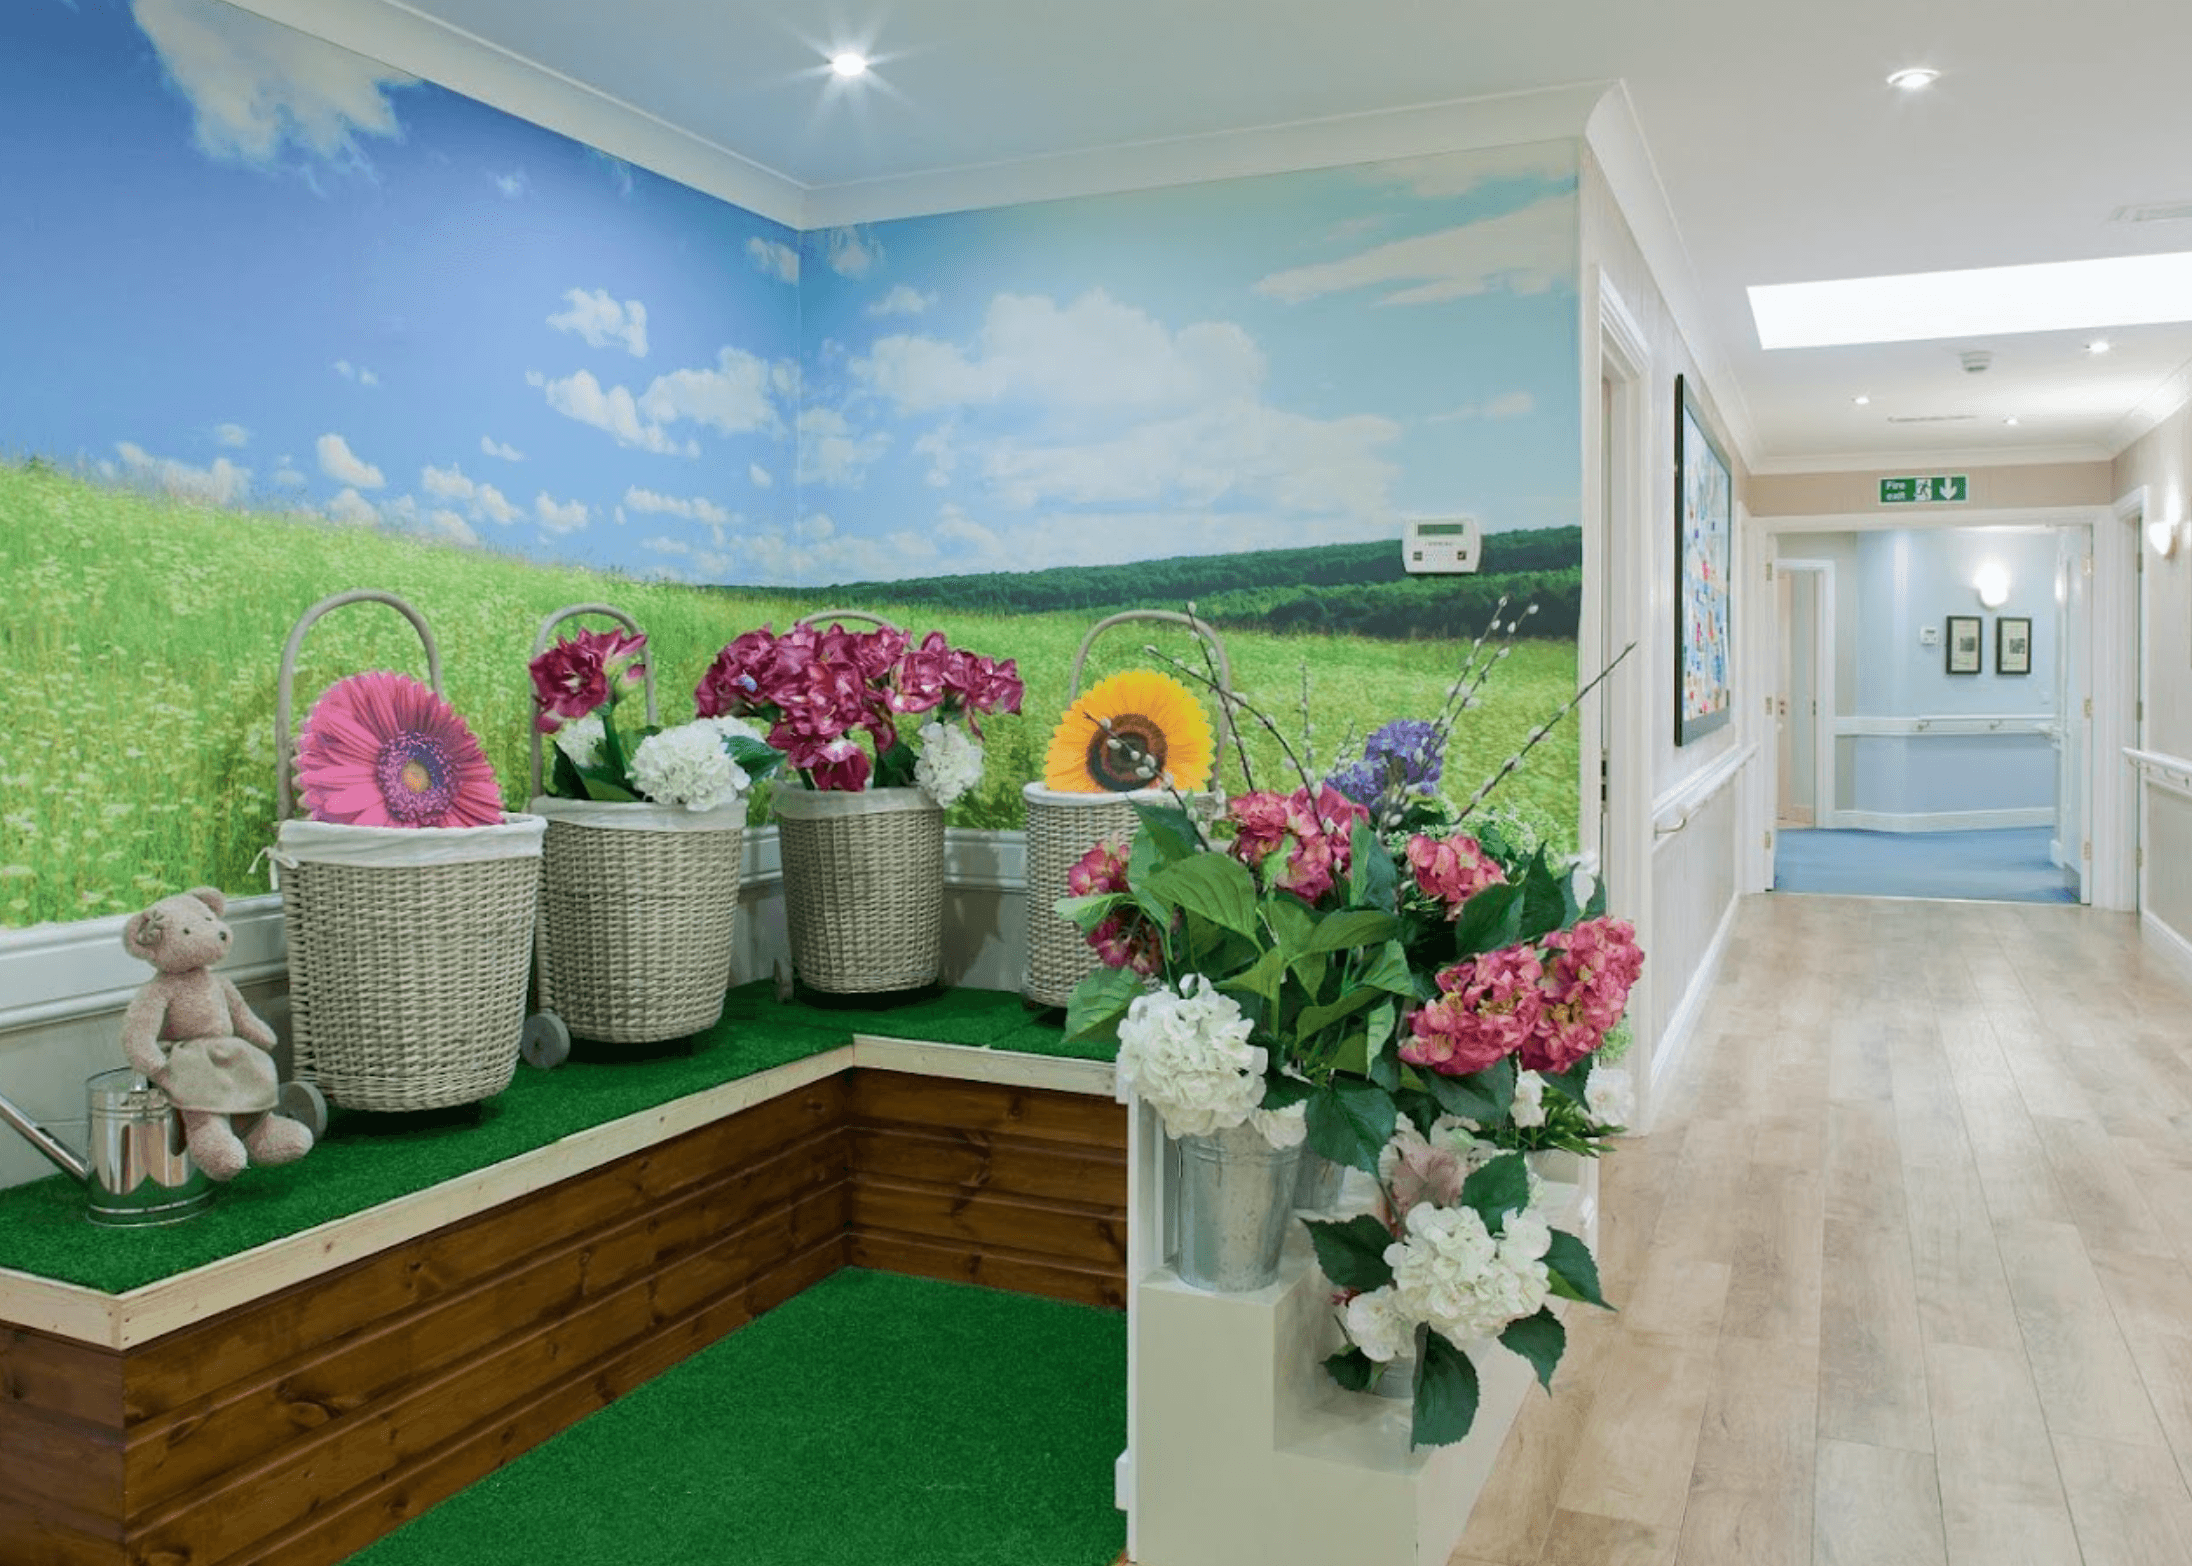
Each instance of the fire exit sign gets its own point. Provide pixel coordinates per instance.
(1940, 487)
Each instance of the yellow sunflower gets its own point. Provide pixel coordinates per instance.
(1128, 732)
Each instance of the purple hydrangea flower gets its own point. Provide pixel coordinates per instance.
(1400, 759)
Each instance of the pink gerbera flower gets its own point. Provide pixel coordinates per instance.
(382, 750)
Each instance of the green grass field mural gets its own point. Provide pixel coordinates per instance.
(142, 636)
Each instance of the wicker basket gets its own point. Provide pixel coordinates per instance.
(1062, 827)
(408, 948)
(863, 887)
(638, 903)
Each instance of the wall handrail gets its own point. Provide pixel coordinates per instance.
(1680, 805)
(1948, 724)
(2162, 769)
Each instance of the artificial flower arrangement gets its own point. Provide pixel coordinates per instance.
(819, 690)
(578, 685)
(382, 750)
(1290, 969)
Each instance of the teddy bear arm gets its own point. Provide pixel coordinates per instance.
(245, 1022)
(141, 1031)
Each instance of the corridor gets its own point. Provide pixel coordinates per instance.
(1903, 1268)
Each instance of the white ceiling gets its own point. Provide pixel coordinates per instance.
(1783, 153)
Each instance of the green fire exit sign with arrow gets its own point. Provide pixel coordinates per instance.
(1940, 487)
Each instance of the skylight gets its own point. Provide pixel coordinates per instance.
(1985, 302)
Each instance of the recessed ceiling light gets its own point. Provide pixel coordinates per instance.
(1914, 77)
(2050, 296)
(2098, 346)
(1861, 400)
(2012, 419)
(848, 64)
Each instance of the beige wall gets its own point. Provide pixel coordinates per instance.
(2162, 462)
(1847, 494)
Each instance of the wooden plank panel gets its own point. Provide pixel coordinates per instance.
(56, 1376)
(214, 1436)
(40, 1534)
(46, 1458)
(179, 1368)
(886, 1096)
(1091, 1235)
(980, 1161)
(249, 1503)
(997, 1269)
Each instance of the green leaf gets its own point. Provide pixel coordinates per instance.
(1171, 832)
(1384, 1059)
(1088, 912)
(1389, 972)
(1291, 922)
(1420, 1107)
(1262, 978)
(1596, 907)
(1313, 1020)
(1216, 887)
(754, 758)
(1144, 858)
(1489, 921)
(1571, 1084)
(894, 767)
(1541, 1340)
(1497, 1083)
(606, 786)
(1350, 1121)
(616, 762)
(1352, 1369)
(1446, 1394)
(1574, 1272)
(1099, 1002)
(563, 779)
(1499, 1188)
(1352, 1253)
(1544, 903)
(1456, 1096)
(1338, 932)
(1372, 878)
(1283, 1092)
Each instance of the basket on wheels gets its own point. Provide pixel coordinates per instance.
(1062, 827)
(408, 946)
(863, 879)
(638, 904)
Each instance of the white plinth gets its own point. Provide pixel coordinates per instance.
(1241, 1448)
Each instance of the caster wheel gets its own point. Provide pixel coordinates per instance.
(546, 1042)
(305, 1104)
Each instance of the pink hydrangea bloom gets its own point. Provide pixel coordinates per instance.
(1313, 833)
(1452, 869)
(1101, 869)
(1488, 1009)
(1127, 941)
(1585, 990)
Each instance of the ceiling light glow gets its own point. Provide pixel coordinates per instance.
(2012, 419)
(1912, 78)
(1995, 301)
(1992, 584)
(848, 65)
(1862, 400)
(2098, 346)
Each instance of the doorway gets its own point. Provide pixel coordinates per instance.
(1803, 595)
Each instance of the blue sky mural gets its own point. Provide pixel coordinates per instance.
(257, 270)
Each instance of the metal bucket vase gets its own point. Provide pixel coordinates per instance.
(1317, 1184)
(1235, 1196)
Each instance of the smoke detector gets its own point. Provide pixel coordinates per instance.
(1976, 360)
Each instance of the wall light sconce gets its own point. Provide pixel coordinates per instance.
(1993, 584)
(2161, 537)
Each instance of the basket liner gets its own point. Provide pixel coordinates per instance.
(375, 848)
(642, 816)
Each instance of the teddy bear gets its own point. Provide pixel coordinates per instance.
(191, 1035)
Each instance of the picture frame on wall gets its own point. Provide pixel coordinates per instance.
(1704, 511)
(2013, 644)
(1966, 641)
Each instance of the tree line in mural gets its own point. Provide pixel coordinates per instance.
(1355, 589)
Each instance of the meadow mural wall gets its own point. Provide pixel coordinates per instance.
(284, 321)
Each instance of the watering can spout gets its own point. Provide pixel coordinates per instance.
(45, 1141)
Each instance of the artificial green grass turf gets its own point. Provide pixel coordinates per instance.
(42, 1227)
(872, 1419)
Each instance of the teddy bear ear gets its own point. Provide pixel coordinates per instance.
(211, 897)
(143, 933)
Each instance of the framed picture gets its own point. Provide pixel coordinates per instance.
(2013, 644)
(1966, 637)
(1704, 513)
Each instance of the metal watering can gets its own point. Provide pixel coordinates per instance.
(140, 1171)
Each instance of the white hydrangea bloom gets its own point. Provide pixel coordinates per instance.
(581, 740)
(1452, 1273)
(687, 766)
(1283, 1128)
(1189, 1056)
(1378, 1325)
(950, 762)
(1529, 1106)
(1609, 1097)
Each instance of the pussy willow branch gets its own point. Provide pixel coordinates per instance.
(1208, 649)
(1537, 734)
(1231, 702)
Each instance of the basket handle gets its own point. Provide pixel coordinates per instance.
(285, 759)
(1203, 629)
(540, 645)
(824, 616)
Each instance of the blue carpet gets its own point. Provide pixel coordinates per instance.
(2009, 866)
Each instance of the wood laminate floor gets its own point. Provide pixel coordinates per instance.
(1905, 1267)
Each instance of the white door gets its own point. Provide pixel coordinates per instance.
(2073, 710)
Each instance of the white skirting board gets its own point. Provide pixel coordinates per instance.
(1682, 1022)
(2170, 943)
(1942, 820)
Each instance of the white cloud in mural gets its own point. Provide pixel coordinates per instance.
(832, 453)
(1507, 405)
(352, 372)
(903, 300)
(853, 252)
(1445, 175)
(231, 435)
(956, 528)
(761, 476)
(613, 410)
(667, 546)
(559, 516)
(345, 466)
(222, 484)
(492, 505)
(286, 476)
(496, 448)
(774, 260)
(694, 509)
(603, 322)
(255, 86)
(353, 508)
(483, 502)
(1525, 252)
(512, 185)
(447, 524)
(732, 397)
(941, 446)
